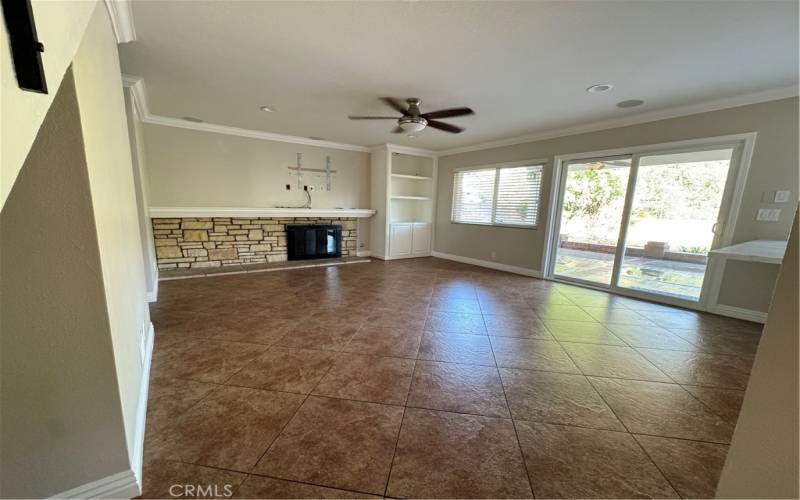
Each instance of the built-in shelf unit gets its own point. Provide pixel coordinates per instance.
(403, 193)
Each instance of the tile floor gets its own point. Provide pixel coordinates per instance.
(432, 379)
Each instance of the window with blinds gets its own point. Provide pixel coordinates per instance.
(504, 196)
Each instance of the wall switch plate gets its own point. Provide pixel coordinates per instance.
(768, 214)
(782, 196)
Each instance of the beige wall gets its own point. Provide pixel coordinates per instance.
(190, 168)
(774, 166)
(59, 26)
(60, 417)
(763, 458)
(105, 133)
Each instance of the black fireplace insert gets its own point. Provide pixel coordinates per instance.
(313, 241)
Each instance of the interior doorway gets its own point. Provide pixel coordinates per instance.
(642, 221)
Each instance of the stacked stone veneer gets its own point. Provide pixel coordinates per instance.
(221, 241)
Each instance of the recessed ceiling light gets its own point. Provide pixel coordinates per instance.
(630, 103)
(599, 88)
(192, 119)
(268, 109)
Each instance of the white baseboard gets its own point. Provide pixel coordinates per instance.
(120, 485)
(739, 313)
(533, 273)
(141, 411)
(363, 253)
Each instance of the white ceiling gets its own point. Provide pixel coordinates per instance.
(522, 66)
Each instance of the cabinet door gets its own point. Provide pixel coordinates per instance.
(400, 239)
(421, 239)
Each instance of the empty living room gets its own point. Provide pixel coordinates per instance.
(399, 249)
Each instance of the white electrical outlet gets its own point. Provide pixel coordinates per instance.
(768, 215)
(782, 196)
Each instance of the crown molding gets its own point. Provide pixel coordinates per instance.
(663, 114)
(139, 92)
(252, 134)
(121, 20)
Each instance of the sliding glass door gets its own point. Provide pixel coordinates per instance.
(644, 222)
(673, 222)
(592, 201)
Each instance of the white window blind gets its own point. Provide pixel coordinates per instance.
(507, 196)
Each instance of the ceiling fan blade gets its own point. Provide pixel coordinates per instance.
(445, 127)
(373, 117)
(397, 130)
(447, 113)
(395, 104)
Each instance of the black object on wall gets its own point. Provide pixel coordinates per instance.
(26, 49)
(313, 241)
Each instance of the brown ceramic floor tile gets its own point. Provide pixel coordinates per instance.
(343, 448)
(697, 368)
(336, 443)
(284, 369)
(447, 455)
(167, 479)
(662, 410)
(368, 378)
(650, 336)
(564, 312)
(732, 343)
(724, 402)
(397, 319)
(511, 326)
(531, 354)
(267, 487)
(385, 341)
(571, 462)
(203, 360)
(556, 398)
(317, 336)
(692, 467)
(582, 331)
(613, 361)
(458, 305)
(459, 388)
(618, 315)
(455, 323)
(230, 428)
(168, 398)
(456, 348)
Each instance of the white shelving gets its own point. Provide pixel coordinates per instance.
(416, 177)
(397, 197)
(403, 193)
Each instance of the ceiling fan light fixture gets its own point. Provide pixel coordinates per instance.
(412, 124)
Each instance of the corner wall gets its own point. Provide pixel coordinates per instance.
(60, 418)
(98, 85)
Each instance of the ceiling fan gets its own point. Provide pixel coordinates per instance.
(413, 120)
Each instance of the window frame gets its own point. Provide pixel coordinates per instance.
(539, 162)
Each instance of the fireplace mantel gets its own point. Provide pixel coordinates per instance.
(172, 212)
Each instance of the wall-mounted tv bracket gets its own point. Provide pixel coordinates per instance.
(300, 169)
(26, 49)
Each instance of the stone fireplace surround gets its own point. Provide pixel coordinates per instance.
(201, 242)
